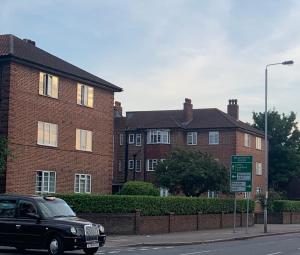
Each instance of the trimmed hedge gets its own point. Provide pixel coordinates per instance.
(150, 205)
(139, 188)
(286, 206)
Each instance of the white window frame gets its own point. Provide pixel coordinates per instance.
(85, 95)
(213, 137)
(164, 192)
(47, 134)
(83, 177)
(258, 190)
(158, 136)
(151, 164)
(131, 139)
(247, 140)
(258, 168)
(191, 138)
(138, 165)
(131, 164)
(84, 140)
(212, 194)
(121, 139)
(48, 85)
(45, 188)
(138, 139)
(258, 143)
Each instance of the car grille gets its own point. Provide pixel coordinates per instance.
(91, 232)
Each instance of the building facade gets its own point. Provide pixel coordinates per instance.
(144, 138)
(58, 121)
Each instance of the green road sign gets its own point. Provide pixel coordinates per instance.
(241, 174)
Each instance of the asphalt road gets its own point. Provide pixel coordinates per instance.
(271, 245)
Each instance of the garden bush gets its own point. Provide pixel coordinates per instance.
(150, 205)
(139, 188)
(286, 206)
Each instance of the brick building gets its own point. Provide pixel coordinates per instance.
(143, 138)
(58, 120)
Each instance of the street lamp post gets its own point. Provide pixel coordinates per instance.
(289, 62)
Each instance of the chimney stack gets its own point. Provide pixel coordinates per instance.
(118, 109)
(187, 110)
(29, 41)
(233, 108)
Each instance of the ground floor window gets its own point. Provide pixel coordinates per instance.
(45, 182)
(82, 183)
(212, 194)
(164, 192)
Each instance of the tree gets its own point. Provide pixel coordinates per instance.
(192, 172)
(284, 147)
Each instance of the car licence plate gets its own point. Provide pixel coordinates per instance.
(92, 245)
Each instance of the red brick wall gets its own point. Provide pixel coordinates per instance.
(27, 107)
(258, 156)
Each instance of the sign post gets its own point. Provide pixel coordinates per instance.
(241, 179)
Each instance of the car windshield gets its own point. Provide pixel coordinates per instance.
(56, 208)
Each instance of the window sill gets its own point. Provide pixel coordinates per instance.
(90, 107)
(47, 145)
(56, 98)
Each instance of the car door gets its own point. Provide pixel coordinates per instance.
(30, 230)
(7, 221)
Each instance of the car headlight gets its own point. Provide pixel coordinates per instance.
(73, 230)
(101, 229)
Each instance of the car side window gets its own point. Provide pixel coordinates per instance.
(7, 208)
(26, 207)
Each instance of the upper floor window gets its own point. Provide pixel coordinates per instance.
(258, 143)
(120, 166)
(45, 182)
(158, 136)
(214, 137)
(82, 183)
(48, 85)
(131, 139)
(151, 164)
(121, 139)
(258, 168)
(85, 95)
(192, 138)
(247, 140)
(83, 140)
(47, 134)
(138, 140)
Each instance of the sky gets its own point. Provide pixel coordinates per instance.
(163, 51)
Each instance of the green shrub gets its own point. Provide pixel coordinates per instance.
(139, 188)
(286, 206)
(150, 205)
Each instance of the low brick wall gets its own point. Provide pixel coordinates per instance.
(135, 223)
(279, 218)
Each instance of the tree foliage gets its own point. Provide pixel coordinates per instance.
(192, 172)
(284, 147)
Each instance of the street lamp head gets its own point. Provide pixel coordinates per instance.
(289, 62)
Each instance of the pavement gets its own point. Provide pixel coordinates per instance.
(200, 237)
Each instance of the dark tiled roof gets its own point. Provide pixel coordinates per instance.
(202, 119)
(12, 46)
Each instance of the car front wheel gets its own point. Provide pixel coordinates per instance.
(55, 246)
(90, 251)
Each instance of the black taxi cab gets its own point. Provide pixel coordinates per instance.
(36, 222)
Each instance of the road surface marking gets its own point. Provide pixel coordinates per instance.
(274, 253)
(198, 252)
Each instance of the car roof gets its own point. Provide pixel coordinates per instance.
(30, 197)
